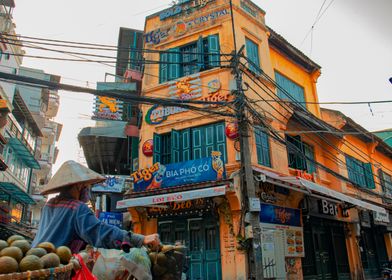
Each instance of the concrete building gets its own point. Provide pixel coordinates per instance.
(323, 212)
(43, 105)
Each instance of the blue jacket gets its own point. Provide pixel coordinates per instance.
(66, 220)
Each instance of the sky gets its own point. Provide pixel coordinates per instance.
(350, 40)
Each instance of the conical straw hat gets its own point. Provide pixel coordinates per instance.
(71, 173)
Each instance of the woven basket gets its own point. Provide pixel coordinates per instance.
(56, 273)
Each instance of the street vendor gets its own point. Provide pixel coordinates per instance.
(67, 220)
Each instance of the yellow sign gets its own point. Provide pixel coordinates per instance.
(3, 104)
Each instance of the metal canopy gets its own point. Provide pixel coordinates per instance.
(23, 153)
(16, 193)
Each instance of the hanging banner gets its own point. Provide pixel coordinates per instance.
(113, 184)
(112, 218)
(161, 176)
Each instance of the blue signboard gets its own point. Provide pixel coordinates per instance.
(114, 219)
(273, 214)
(161, 176)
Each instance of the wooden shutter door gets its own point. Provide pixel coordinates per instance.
(369, 176)
(200, 55)
(213, 51)
(220, 140)
(186, 144)
(197, 135)
(174, 64)
(196, 249)
(163, 70)
(309, 153)
(157, 147)
(209, 140)
(212, 251)
(175, 146)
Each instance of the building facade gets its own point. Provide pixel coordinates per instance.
(323, 201)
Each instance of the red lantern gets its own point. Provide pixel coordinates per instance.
(148, 148)
(231, 130)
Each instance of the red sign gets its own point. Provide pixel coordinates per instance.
(148, 148)
(231, 131)
(305, 175)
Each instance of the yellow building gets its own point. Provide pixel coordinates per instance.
(320, 202)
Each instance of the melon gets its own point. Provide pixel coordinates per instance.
(39, 252)
(24, 245)
(13, 252)
(31, 263)
(64, 254)
(3, 244)
(48, 246)
(12, 238)
(50, 260)
(8, 265)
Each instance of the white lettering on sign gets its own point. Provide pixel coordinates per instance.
(172, 197)
(381, 217)
(328, 208)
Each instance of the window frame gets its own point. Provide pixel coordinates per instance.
(306, 164)
(361, 174)
(280, 80)
(263, 149)
(251, 53)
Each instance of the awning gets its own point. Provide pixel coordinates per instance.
(16, 193)
(171, 197)
(23, 153)
(308, 187)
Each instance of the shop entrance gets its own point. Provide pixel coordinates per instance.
(373, 251)
(325, 250)
(201, 237)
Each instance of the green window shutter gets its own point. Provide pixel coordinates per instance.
(200, 54)
(197, 140)
(252, 53)
(163, 67)
(175, 146)
(213, 50)
(309, 153)
(209, 140)
(382, 180)
(262, 147)
(174, 64)
(220, 143)
(186, 144)
(289, 90)
(157, 147)
(369, 176)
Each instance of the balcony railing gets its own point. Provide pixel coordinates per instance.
(16, 131)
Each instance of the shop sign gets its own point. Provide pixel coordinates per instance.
(181, 207)
(381, 218)
(327, 208)
(158, 113)
(148, 148)
(112, 184)
(231, 130)
(181, 27)
(267, 193)
(160, 176)
(186, 88)
(185, 6)
(171, 197)
(112, 218)
(273, 214)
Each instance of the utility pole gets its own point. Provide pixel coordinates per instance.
(251, 202)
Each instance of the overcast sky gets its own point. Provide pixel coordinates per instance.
(351, 41)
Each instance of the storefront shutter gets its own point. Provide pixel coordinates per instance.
(163, 69)
(157, 147)
(213, 50)
(175, 146)
(174, 64)
(309, 153)
(186, 144)
(369, 176)
(220, 140)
